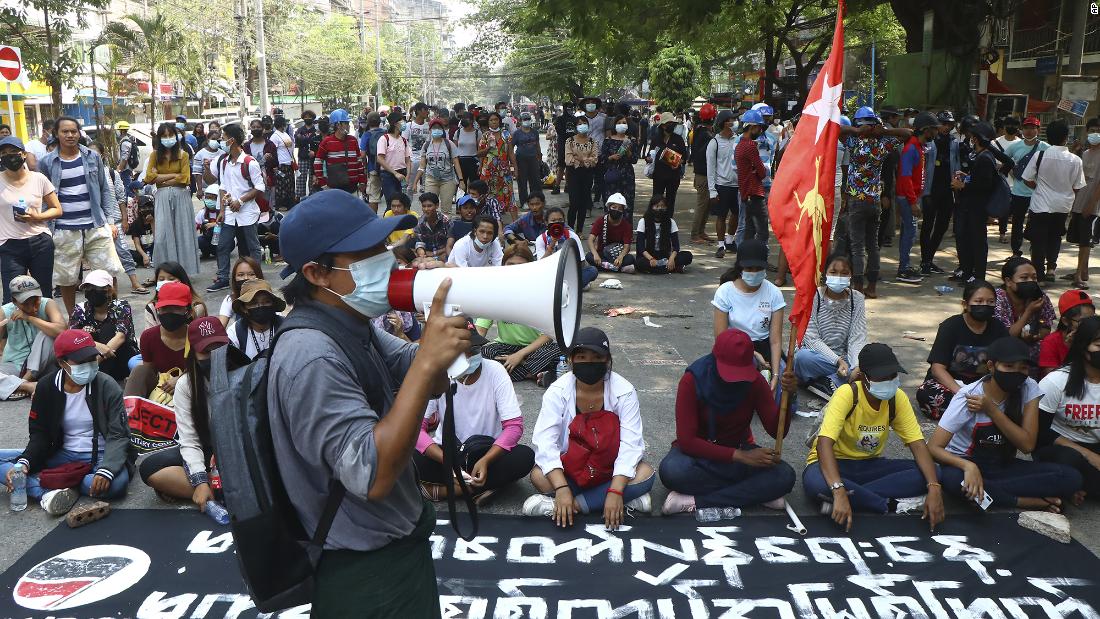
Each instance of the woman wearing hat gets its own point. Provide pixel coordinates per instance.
(575, 472)
(26, 245)
(715, 461)
(1073, 307)
(986, 425)
(846, 469)
(79, 419)
(110, 320)
(30, 322)
(258, 308)
(611, 238)
(667, 155)
(163, 346)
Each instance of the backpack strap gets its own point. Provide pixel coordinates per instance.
(855, 402)
(1038, 162)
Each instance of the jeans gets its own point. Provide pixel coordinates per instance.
(605, 256)
(908, 232)
(934, 223)
(870, 483)
(116, 490)
(249, 242)
(973, 241)
(589, 274)
(683, 258)
(527, 176)
(810, 365)
(887, 222)
(1045, 231)
(591, 499)
(1006, 483)
(1017, 213)
(863, 236)
(725, 484)
(32, 255)
(756, 219)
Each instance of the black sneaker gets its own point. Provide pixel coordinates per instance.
(909, 276)
(721, 253)
(219, 284)
(957, 276)
(822, 388)
(926, 270)
(935, 269)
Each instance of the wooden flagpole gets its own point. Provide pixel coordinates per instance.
(785, 400)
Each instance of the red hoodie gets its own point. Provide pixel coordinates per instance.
(910, 179)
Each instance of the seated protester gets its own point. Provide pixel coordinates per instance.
(268, 233)
(480, 248)
(846, 469)
(983, 428)
(573, 471)
(405, 256)
(402, 325)
(488, 425)
(611, 237)
(430, 235)
(110, 320)
(206, 219)
(1023, 307)
(400, 204)
(162, 346)
(524, 351)
(958, 354)
(746, 300)
(77, 416)
(835, 334)
(182, 472)
(556, 236)
(715, 461)
(533, 223)
(464, 225)
(141, 229)
(245, 269)
(30, 324)
(258, 307)
(1073, 307)
(173, 272)
(659, 241)
(1069, 431)
(487, 205)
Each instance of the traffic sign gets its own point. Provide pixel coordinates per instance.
(11, 63)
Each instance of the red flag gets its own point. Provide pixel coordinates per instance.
(801, 200)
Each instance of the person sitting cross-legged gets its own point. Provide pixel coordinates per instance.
(29, 324)
(611, 238)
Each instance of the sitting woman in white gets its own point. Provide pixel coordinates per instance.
(574, 470)
(479, 248)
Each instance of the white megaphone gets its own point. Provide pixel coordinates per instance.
(545, 295)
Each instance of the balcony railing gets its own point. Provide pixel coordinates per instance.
(1032, 43)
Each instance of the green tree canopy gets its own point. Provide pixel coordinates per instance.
(674, 78)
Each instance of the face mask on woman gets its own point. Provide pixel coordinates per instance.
(371, 276)
(1093, 358)
(1028, 290)
(173, 321)
(83, 373)
(13, 161)
(168, 142)
(526, 123)
(262, 315)
(621, 128)
(1094, 139)
(97, 297)
(837, 283)
(210, 203)
(678, 130)
(257, 133)
(590, 107)
(753, 279)
(474, 362)
(982, 313)
(582, 129)
(161, 283)
(1010, 382)
(437, 133)
(884, 389)
(615, 214)
(590, 372)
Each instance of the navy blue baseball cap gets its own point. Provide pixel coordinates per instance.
(333, 221)
(11, 140)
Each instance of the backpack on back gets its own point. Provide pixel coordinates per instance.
(132, 158)
(1000, 199)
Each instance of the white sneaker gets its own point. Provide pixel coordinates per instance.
(910, 505)
(59, 502)
(538, 506)
(642, 504)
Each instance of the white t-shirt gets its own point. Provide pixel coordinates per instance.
(464, 254)
(750, 312)
(263, 338)
(418, 136)
(480, 408)
(1077, 419)
(540, 244)
(673, 229)
(972, 431)
(284, 146)
(77, 423)
(37, 148)
(203, 155)
(227, 307)
(1059, 174)
(236, 186)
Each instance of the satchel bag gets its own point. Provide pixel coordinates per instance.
(159, 395)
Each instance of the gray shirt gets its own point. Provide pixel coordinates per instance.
(323, 427)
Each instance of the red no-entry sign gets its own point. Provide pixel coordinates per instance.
(11, 63)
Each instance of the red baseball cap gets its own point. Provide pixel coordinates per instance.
(174, 294)
(733, 354)
(1071, 299)
(205, 332)
(1033, 121)
(75, 346)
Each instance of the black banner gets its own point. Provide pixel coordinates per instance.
(178, 564)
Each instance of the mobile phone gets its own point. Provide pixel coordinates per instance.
(983, 501)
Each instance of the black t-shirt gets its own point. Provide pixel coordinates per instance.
(674, 142)
(566, 126)
(699, 140)
(962, 350)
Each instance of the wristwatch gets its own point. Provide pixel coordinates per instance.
(837, 485)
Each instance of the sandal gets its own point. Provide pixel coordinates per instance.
(1081, 285)
(1054, 506)
(149, 282)
(17, 395)
(433, 492)
(545, 379)
(483, 497)
(87, 513)
(139, 290)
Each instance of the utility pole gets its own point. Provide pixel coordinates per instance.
(242, 60)
(423, 73)
(377, 56)
(362, 28)
(261, 58)
(1077, 39)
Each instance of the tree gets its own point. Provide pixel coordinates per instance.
(154, 46)
(42, 48)
(674, 77)
(327, 56)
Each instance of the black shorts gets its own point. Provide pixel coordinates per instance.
(727, 202)
(1083, 230)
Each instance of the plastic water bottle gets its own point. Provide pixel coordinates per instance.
(563, 367)
(217, 513)
(217, 234)
(714, 514)
(18, 489)
(944, 289)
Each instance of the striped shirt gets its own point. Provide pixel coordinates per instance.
(333, 150)
(837, 327)
(76, 205)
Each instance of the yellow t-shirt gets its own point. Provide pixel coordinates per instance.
(397, 235)
(864, 434)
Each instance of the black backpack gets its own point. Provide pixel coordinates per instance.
(132, 159)
(1000, 199)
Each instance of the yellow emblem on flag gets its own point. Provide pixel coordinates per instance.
(813, 205)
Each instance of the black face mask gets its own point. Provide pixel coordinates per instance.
(263, 315)
(615, 215)
(1028, 290)
(257, 133)
(97, 297)
(204, 366)
(467, 123)
(1012, 130)
(590, 372)
(660, 215)
(13, 162)
(1009, 382)
(982, 313)
(172, 321)
(309, 122)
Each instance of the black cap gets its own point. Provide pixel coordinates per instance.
(591, 338)
(752, 253)
(1009, 349)
(925, 120)
(877, 361)
(476, 339)
(984, 131)
(889, 109)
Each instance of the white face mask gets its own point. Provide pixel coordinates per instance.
(837, 283)
(621, 128)
(372, 279)
(1094, 139)
(885, 389)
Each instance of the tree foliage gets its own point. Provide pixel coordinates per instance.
(674, 78)
(153, 44)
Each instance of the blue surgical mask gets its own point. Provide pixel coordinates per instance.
(181, 126)
(582, 129)
(210, 203)
(161, 284)
(372, 281)
(590, 107)
(437, 133)
(402, 125)
(214, 145)
(678, 130)
(1094, 139)
(168, 142)
(837, 283)
(753, 279)
(478, 244)
(83, 373)
(621, 128)
(474, 362)
(884, 389)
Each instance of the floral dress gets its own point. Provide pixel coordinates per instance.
(496, 169)
(551, 157)
(618, 175)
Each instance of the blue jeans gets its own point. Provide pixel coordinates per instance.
(870, 482)
(390, 185)
(810, 365)
(245, 237)
(589, 274)
(1006, 483)
(908, 232)
(35, 491)
(591, 500)
(725, 484)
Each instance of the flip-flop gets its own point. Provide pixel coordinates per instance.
(87, 513)
(139, 290)
(17, 395)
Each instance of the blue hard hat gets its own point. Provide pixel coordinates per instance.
(764, 109)
(339, 116)
(845, 121)
(866, 115)
(752, 117)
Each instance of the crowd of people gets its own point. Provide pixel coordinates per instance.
(1010, 374)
